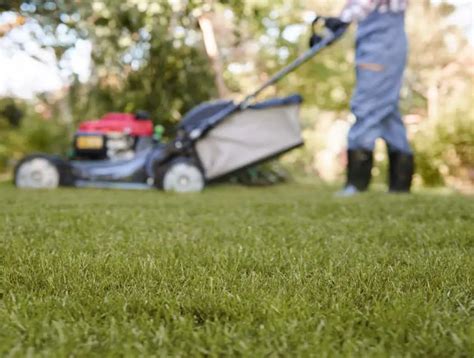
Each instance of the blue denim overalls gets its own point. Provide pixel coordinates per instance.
(381, 53)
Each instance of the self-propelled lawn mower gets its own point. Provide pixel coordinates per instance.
(213, 140)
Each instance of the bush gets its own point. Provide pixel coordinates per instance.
(34, 135)
(444, 150)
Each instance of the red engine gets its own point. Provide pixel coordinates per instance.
(124, 123)
(114, 136)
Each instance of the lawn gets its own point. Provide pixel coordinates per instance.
(282, 271)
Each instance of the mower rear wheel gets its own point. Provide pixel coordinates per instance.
(37, 172)
(182, 176)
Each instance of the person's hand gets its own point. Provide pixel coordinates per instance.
(333, 24)
(336, 25)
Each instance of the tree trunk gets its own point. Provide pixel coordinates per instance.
(213, 53)
(64, 110)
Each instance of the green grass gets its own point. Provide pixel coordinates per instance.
(282, 271)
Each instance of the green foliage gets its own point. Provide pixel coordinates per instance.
(8, 5)
(445, 149)
(284, 271)
(146, 57)
(445, 145)
(34, 135)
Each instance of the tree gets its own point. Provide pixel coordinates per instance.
(145, 57)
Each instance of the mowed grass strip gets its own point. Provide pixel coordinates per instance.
(280, 271)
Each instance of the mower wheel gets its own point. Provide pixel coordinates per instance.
(37, 172)
(182, 176)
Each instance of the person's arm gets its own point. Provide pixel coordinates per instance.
(357, 10)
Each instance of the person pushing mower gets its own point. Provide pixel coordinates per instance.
(381, 52)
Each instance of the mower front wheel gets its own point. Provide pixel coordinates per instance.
(182, 176)
(37, 172)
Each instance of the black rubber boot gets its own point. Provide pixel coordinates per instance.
(359, 169)
(401, 169)
(359, 172)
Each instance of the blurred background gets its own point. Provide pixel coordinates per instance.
(65, 61)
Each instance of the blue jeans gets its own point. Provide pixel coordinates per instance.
(381, 52)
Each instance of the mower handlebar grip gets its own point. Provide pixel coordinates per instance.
(317, 38)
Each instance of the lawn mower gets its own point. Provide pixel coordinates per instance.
(213, 140)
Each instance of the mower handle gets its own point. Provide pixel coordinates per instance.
(328, 38)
